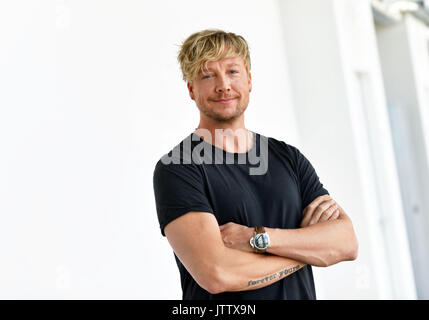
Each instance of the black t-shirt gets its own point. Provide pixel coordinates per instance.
(273, 199)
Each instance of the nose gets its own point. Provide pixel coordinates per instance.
(223, 84)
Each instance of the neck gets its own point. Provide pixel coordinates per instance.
(232, 137)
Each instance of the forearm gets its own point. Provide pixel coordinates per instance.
(241, 271)
(321, 244)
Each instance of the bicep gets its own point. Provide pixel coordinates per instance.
(196, 240)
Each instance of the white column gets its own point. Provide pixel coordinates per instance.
(404, 57)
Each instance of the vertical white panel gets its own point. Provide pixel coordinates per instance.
(404, 60)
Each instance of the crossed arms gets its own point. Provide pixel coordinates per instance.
(220, 258)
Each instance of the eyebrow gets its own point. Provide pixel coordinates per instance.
(228, 65)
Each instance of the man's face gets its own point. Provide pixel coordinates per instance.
(222, 92)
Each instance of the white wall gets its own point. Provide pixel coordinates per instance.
(89, 103)
(87, 107)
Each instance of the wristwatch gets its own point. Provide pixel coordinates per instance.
(260, 240)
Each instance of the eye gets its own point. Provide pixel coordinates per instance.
(234, 71)
(206, 76)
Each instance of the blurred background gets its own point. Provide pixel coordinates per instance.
(91, 97)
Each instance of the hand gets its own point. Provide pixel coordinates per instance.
(236, 236)
(321, 209)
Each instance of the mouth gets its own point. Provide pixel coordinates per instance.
(225, 101)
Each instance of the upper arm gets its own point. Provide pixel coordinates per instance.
(178, 189)
(187, 219)
(309, 182)
(196, 240)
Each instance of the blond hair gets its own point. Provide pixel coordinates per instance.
(210, 45)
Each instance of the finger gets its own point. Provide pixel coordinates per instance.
(320, 209)
(327, 214)
(308, 211)
(335, 215)
(312, 205)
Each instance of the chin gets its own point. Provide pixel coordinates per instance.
(223, 114)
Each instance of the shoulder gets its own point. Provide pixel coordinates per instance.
(284, 148)
(287, 153)
(178, 161)
(280, 144)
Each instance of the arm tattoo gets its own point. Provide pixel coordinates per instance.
(274, 275)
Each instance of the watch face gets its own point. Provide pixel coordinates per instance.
(261, 241)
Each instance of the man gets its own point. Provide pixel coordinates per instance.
(238, 234)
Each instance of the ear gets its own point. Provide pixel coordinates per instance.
(191, 90)
(250, 81)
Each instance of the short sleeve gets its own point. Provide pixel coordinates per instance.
(310, 185)
(179, 189)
